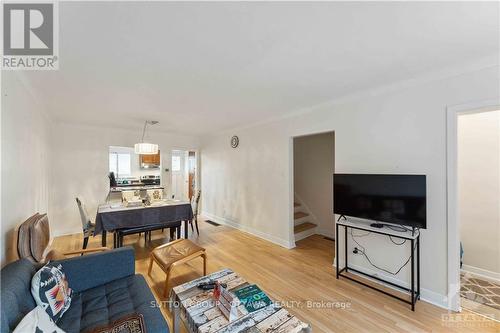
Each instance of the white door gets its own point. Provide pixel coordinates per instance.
(178, 175)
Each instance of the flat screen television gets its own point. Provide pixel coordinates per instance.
(397, 199)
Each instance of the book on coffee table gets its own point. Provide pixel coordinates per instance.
(252, 297)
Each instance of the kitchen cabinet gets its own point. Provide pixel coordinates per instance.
(150, 161)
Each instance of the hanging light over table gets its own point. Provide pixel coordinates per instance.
(145, 148)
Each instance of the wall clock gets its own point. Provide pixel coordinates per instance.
(235, 141)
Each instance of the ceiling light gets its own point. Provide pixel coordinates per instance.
(144, 148)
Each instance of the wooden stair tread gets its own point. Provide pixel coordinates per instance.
(299, 215)
(303, 227)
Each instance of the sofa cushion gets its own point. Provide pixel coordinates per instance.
(92, 270)
(15, 296)
(107, 303)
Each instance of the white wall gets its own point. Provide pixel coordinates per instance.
(478, 167)
(80, 167)
(249, 187)
(313, 168)
(25, 158)
(399, 130)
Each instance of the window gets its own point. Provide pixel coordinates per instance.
(119, 163)
(176, 163)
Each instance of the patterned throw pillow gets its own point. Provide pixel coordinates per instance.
(133, 323)
(50, 289)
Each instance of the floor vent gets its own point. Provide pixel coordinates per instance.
(212, 223)
(329, 238)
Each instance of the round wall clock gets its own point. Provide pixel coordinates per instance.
(235, 141)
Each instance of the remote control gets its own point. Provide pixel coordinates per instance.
(210, 285)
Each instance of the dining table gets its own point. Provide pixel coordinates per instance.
(118, 215)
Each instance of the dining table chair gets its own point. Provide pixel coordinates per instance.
(87, 225)
(155, 194)
(195, 204)
(131, 196)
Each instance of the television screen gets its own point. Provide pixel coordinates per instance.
(398, 199)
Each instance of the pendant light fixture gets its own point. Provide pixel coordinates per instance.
(144, 148)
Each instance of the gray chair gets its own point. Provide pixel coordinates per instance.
(195, 201)
(87, 225)
(32, 238)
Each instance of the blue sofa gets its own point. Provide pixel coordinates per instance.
(105, 288)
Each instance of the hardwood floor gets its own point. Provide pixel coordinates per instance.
(296, 277)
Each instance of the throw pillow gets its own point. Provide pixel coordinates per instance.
(37, 321)
(50, 290)
(133, 323)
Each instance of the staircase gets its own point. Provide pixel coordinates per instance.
(304, 225)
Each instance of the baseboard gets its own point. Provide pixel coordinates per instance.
(326, 232)
(281, 242)
(67, 233)
(481, 272)
(426, 295)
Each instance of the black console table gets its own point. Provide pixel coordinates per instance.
(412, 236)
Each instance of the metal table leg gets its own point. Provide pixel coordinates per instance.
(412, 275)
(337, 249)
(186, 227)
(103, 241)
(345, 247)
(418, 266)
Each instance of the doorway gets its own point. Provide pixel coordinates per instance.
(191, 174)
(184, 174)
(473, 171)
(313, 169)
(478, 171)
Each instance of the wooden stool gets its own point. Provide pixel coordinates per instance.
(175, 253)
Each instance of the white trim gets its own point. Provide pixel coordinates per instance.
(291, 194)
(326, 232)
(281, 242)
(291, 189)
(67, 233)
(483, 273)
(302, 220)
(311, 217)
(304, 234)
(452, 193)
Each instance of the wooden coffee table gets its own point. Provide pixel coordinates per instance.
(197, 309)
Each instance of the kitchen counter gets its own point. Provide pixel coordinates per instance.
(136, 187)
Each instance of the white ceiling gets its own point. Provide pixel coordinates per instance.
(203, 67)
